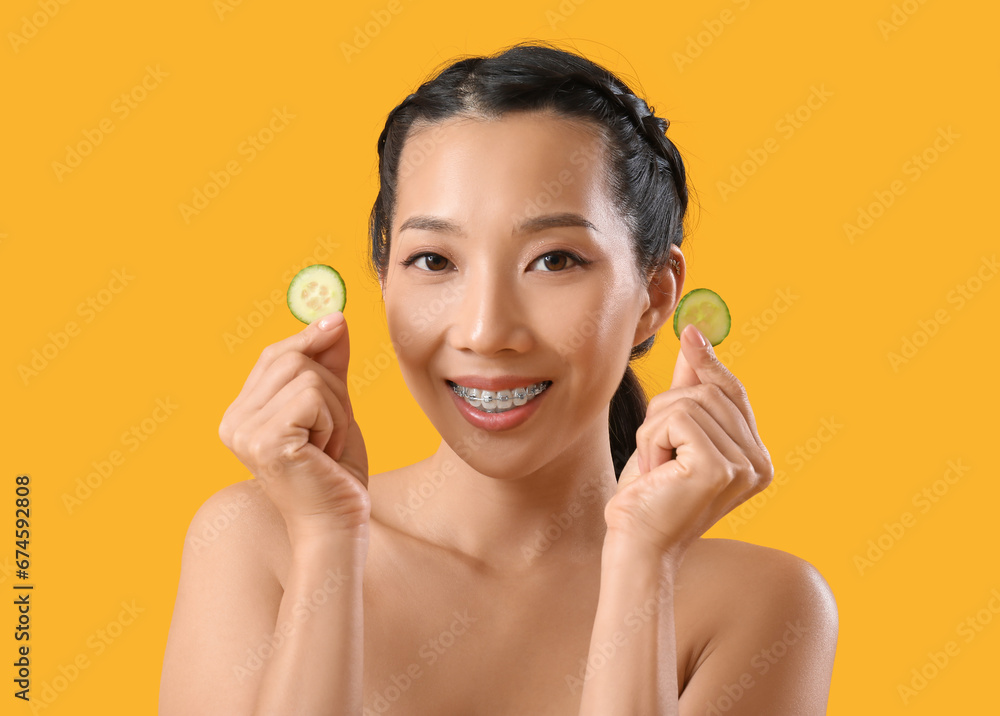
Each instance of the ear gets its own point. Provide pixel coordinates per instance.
(664, 294)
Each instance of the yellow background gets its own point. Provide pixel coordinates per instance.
(890, 87)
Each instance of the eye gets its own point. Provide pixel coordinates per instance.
(555, 261)
(435, 263)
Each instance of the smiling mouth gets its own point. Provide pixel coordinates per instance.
(499, 401)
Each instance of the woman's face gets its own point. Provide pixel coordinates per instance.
(509, 262)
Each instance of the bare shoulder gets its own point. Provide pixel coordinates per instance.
(240, 524)
(765, 625)
(239, 518)
(744, 571)
(244, 499)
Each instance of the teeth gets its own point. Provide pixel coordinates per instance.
(490, 401)
(504, 400)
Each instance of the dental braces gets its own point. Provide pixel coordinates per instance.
(531, 392)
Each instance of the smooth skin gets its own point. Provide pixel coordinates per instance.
(507, 572)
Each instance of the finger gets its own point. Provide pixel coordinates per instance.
(695, 455)
(659, 440)
(632, 469)
(245, 410)
(299, 384)
(714, 401)
(699, 364)
(284, 370)
(315, 338)
(336, 357)
(684, 373)
(661, 435)
(286, 439)
(706, 464)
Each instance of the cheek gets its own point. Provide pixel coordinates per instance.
(577, 335)
(412, 331)
(420, 308)
(595, 352)
(592, 326)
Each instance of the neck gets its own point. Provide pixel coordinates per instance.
(551, 515)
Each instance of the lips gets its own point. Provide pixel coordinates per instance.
(509, 409)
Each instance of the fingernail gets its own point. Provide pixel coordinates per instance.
(700, 339)
(332, 321)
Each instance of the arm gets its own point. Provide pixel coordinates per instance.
(238, 643)
(317, 666)
(698, 455)
(632, 664)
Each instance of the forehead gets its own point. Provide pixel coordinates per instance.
(520, 162)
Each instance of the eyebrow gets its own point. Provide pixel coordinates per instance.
(528, 226)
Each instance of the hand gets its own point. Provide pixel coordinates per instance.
(698, 456)
(293, 427)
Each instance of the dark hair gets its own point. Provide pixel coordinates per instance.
(646, 174)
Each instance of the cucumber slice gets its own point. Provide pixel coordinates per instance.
(316, 291)
(707, 311)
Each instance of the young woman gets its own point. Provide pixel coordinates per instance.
(547, 558)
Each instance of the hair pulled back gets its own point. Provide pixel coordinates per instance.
(646, 174)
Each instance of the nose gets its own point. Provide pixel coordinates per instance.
(490, 316)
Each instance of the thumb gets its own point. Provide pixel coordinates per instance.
(336, 357)
(631, 472)
(694, 353)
